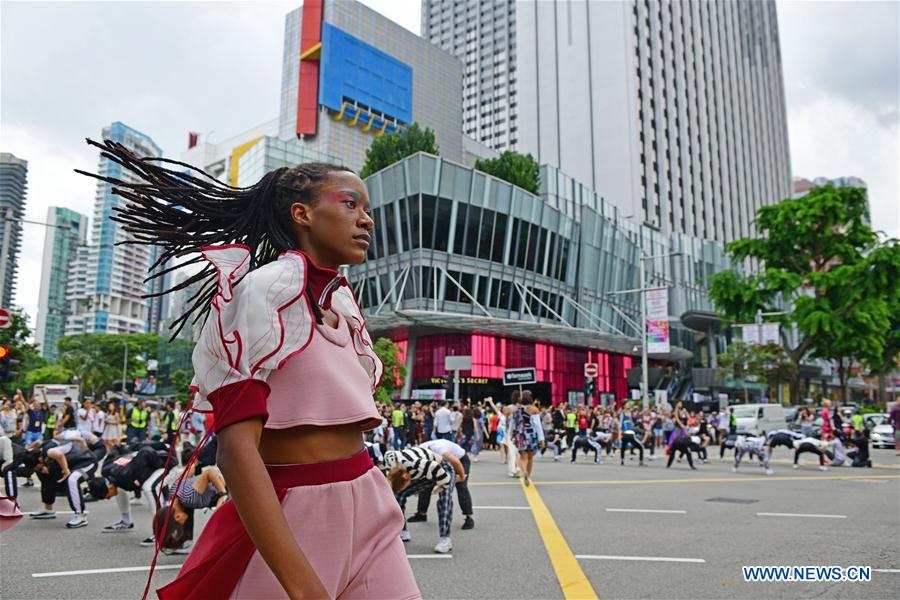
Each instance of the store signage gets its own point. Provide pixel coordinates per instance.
(522, 376)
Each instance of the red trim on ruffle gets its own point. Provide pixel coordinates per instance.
(239, 401)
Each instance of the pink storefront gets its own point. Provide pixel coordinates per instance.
(560, 369)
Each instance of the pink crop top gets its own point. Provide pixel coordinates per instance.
(262, 354)
(323, 385)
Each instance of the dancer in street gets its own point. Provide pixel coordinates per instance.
(288, 370)
(754, 446)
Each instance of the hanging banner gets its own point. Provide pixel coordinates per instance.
(657, 320)
(770, 333)
(750, 333)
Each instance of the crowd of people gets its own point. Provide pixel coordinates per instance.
(424, 448)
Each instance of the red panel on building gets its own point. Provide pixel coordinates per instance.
(560, 366)
(308, 88)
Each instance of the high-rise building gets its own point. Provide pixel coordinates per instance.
(66, 233)
(13, 185)
(105, 294)
(483, 36)
(350, 74)
(672, 111)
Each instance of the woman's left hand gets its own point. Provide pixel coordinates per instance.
(221, 501)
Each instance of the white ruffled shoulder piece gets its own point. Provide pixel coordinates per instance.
(261, 318)
(257, 320)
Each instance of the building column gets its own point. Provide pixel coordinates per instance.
(406, 392)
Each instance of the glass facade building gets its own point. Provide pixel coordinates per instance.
(515, 278)
(13, 186)
(68, 233)
(107, 296)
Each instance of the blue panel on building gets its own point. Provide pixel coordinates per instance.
(354, 71)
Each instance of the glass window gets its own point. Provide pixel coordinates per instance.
(481, 296)
(484, 240)
(533, 245)
(390, 229)
(467, 280)
(564, 262)
(442, 224)
(506, 293)
(428, 222)
(522, 245)
(472, 231)
(499, 237)
(405, 225)
(459, 238)
(415, 226)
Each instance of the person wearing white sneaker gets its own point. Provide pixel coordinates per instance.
(55, 482)
(754, 446)
(419, 470)
(125, 472)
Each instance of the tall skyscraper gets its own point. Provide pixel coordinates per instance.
(66, 234)
(13, 185)
(483, 36)
(105, 292)
(673, 112)
(349, 74)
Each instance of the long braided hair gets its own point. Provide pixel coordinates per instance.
(180, 209)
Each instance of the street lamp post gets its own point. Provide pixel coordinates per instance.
(124, 368)
(645, 385)
(645, 378)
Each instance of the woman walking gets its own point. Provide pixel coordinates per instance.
(286, 366)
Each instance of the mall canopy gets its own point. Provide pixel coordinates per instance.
(397, 324)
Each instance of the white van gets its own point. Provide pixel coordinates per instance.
(759, 419)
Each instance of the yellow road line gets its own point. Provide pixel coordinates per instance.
(572, 580)
(734, 479)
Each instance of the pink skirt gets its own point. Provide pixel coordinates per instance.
(344, 518)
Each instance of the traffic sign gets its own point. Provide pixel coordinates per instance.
(591, 369)
(521, 376)
(5, 319)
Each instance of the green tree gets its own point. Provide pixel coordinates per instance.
(394, 369)
(518, 169)
(181, 381)
(768, 363)
(97, 358)
(47, 374)
(391, 147)
(818, 255)
(16, 339)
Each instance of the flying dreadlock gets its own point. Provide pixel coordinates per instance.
(180, 213)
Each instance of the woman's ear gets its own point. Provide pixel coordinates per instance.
(301, 214)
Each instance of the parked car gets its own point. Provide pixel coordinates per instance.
(882, 436)
(873, 420)
(759, 419)
(790, 413)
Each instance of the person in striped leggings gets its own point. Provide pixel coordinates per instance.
(419, 471)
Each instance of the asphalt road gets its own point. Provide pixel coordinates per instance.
(587, 540)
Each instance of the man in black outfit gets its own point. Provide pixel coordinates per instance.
(683, 445)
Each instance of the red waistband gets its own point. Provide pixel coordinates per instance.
(346, 469)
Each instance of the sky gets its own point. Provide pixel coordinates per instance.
(167, 68)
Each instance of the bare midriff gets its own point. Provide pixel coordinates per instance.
(310, 444)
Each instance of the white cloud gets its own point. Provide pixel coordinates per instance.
(841, 67)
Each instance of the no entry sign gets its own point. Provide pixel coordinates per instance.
(5, 319)
(591, 369)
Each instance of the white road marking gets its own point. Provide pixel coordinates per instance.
(429, 556)
(641, 558)
(502, 507)
(101, 571)
(768, 514)
(886, 570)
(647, 510)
